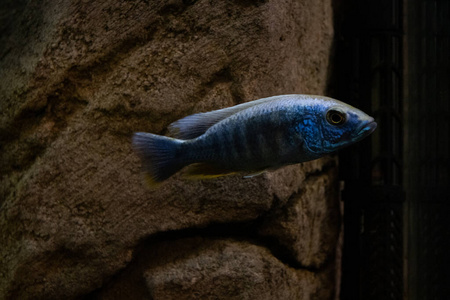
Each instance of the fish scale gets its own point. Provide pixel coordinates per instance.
(239, 142)
(265, 146)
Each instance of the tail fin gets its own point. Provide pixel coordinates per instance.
(159, 156)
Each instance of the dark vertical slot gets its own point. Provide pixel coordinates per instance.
(427, 153)
(369, 67)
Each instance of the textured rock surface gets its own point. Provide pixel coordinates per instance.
(78, 78)
(308, 221)
(214, 269)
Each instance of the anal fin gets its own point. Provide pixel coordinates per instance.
(206, 171)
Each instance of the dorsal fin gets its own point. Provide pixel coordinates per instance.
(195, 125)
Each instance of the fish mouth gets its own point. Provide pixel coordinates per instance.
(366, 129)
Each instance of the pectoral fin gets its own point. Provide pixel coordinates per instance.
(254, 174)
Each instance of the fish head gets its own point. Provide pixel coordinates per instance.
(330, 125)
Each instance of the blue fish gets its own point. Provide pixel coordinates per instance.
(252, 137)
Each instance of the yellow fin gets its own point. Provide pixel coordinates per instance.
(150, 182)
(206, 171)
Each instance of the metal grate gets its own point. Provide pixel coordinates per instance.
(427, 153)
(403, 79)
(370, 61)
(382, 245)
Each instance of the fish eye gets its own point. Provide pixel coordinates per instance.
(335, 117)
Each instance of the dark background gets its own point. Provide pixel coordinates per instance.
(393, 61)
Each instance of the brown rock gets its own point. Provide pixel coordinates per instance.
(78, 78)
(309, 224)
(198, 268)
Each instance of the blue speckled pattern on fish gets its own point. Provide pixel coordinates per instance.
(252, 137)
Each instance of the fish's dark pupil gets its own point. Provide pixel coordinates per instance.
(335, 117)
